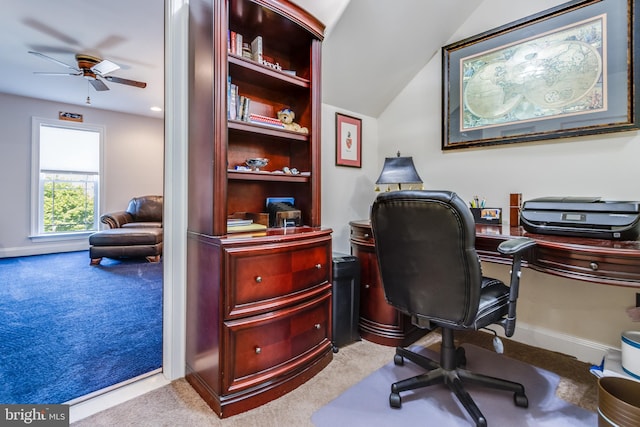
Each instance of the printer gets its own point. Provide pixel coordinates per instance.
(582, 217)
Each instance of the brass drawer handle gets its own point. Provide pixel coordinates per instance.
(594, 266)
(318, 266)
(258, 350)
(258, 279)
(317, 326)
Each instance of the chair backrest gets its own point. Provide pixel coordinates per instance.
(425, 246)
(146, 208)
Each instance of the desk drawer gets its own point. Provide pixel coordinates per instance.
(362, 234)
(264, 347)
(590, 266)
(260, 279)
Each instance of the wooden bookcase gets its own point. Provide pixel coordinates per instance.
(258, 304)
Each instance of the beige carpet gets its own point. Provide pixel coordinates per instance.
(179, 405)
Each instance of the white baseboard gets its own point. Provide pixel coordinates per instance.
(106, 400)
(44, 248)
(583, 350)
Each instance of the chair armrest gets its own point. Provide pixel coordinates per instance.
(116, 219)
(516, 245)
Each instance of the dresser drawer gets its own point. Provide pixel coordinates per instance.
(270, 346)
(260, 280)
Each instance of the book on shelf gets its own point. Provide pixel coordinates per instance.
(238, 49)
(234, 43)
(243, 109)
(256, 49)
(228, 97)
(246, 227)
(231, 222)
(232, 101)
(264, 120)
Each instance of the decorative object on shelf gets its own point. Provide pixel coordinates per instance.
(269, 62)
(348, 141)
(555, 74)
(256, 163)
(286, 116)
(483, 215)
(398, 170)
(290, 171)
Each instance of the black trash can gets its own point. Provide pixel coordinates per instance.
(346, 299)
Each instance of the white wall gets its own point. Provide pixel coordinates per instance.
(133, 165)
(555, 313)
(347, 192)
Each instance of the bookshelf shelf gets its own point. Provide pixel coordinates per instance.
(266, 176)
(253, 128)
(246, 68)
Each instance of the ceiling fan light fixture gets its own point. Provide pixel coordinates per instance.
(105, 67)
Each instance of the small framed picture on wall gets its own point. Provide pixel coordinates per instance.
(348, 141)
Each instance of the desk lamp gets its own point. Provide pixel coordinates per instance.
(398, 170)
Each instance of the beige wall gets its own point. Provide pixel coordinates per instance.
(133, 164)
(604, 165)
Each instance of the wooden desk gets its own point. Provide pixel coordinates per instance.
(608, 262)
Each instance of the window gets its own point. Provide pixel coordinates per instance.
(66, 161)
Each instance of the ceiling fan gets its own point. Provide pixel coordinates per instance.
(91, 68)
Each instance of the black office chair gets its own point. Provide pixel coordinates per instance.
(425, 244)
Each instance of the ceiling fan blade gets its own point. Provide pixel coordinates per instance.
(98, 85)
(105, 67)
(114, 79)
(41, 55)
(44, 73)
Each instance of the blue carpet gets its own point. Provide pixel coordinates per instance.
(68, 329)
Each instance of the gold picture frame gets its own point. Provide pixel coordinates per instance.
(566, 71)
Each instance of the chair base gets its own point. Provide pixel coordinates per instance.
(450, 371)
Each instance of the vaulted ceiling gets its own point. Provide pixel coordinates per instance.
(372, 49)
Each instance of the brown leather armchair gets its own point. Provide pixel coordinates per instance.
(134, 232)
(145, 211)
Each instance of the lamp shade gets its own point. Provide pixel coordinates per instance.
(399, 170)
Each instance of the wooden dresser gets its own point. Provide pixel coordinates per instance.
(259, 315)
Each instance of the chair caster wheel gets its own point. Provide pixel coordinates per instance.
(335, 348)
(520, 399)
(394, 400)
(461, 358)
(398, 360)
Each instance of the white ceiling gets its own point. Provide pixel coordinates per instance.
(380, 45)
(129, 33)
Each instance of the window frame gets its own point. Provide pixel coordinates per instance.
(36, 218)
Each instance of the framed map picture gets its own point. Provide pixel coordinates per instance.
(567, 71)
(348, 141)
